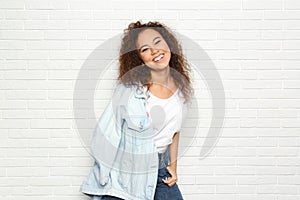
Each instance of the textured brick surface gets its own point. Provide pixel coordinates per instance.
(254, 44)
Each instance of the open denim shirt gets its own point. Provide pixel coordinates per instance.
(126, 160)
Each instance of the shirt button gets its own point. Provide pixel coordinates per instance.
(141, 126)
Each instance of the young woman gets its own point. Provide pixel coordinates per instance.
(135, 145)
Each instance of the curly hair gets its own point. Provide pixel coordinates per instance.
(131, 67)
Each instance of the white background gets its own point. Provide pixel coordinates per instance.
(255, 45)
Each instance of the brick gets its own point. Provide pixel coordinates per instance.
(257, 161)
(289, 180)
(287, 197)
(166, 14)
(12, 104)
(12, 4)
(26, 15)
(278, 152)
(241, 15)
(291, 4)
(90, 5)
(27, 171)
(90, 25)
(2, 14)
(65, 35)
(11, 25)
(45, 25)
(115, 15)
(21, 35)
(280, 34)
(290, 45)
(47, 104)
(264, 4)
(232, 189)
(211, 180)
(12, 162)
(208, 24)
(21, 94)
(46, 5)
(22, 74)
(257, 180)
(70, 15)
(203, 5)
(239, 35)
(50, 123)
(12, 45)
(47, 45)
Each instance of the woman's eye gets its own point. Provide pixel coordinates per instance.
(144, 49)
(157, 42)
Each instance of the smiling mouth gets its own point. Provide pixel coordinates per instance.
(158, 58)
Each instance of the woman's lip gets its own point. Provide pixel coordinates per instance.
(160, 55)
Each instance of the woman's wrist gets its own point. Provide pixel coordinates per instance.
(173, 166)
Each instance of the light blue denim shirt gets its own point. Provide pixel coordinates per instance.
(126, 159)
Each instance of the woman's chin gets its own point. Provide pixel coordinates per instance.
(158, 66)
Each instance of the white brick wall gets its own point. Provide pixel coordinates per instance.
(255, 45)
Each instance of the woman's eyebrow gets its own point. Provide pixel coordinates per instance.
(156, 38)
(143, 46)
(152, 40)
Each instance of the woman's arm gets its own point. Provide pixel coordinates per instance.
(172, 168)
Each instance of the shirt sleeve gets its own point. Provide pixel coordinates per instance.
(106, 139)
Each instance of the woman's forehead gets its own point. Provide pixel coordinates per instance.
(147, 36)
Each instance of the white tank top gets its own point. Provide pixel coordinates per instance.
(166, 116)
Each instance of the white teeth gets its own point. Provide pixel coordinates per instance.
(158, 58)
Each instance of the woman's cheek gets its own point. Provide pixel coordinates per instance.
(147, 59)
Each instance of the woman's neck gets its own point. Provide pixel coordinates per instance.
(162, 81)
(162, 78)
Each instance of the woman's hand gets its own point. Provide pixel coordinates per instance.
(172, 167)
(170, 181)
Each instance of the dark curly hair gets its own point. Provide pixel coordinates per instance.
(131, 68)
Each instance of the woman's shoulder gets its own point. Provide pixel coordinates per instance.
(122, 90)
(126, 86)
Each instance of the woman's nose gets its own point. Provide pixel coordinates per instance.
(153, 50)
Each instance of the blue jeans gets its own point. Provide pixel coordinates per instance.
(163, 191)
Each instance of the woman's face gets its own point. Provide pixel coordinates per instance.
(153, 49)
